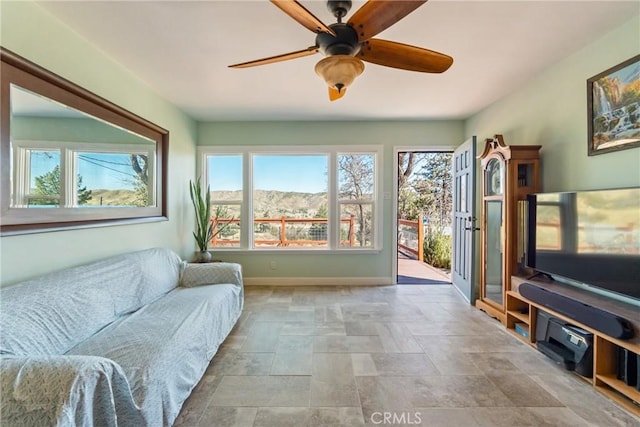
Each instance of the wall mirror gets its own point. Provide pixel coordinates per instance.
(71, 158)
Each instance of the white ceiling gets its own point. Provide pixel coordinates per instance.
(182, 49)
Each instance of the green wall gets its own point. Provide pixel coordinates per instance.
(72, 130)
(370, 268)
(551, 110)
(33, 33)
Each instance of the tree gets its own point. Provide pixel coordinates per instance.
(426, 190)
(406, 162)
(435, 178)
(140, 165)
(49, 185)
(407, 197)
(356, 180)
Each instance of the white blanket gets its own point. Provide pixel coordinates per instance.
(66, 391)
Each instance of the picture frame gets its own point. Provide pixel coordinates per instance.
(613, 108)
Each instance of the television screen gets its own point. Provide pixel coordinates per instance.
(590, 237)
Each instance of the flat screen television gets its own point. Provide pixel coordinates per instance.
(587, 238)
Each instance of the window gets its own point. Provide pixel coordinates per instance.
(290, 200)
(225, 178)
(356, 185)
(42, 181)
(76, 175)
(287, 198)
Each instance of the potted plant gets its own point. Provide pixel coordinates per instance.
(204, 226)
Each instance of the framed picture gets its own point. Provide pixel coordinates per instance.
(613, 99)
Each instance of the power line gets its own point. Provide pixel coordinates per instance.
(97, 162)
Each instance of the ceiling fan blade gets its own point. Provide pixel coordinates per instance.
(376, 16)
(404, 56)
(278, 58)
(302, 15)
(335, 93)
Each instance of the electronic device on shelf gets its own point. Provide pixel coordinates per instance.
(593, 317)
(587, 237)
(627, 367)
(564, 343)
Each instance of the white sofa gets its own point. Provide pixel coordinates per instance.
(118, 342)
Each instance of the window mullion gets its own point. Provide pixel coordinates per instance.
(246, 214)
(332, 200)
(68, 185)
(22, 180)
(152, 197)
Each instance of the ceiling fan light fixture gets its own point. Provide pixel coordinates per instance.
(339, 71)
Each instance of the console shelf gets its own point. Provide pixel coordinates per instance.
(605, 350)
(520, 316)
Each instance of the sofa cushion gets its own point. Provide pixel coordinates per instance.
(157, 271)
(165, 347)
(210, 273)
(51, 314)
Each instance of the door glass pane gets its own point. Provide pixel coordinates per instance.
(463, 194)
(493, 250)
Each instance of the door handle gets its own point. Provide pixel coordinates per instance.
(472, 227)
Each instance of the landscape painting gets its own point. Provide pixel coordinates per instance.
(614, 108)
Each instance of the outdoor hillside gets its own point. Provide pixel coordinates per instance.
(274, 204)
(266, 203)
(112, 198)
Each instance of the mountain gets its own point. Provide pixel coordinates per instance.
(274, 204)
(100, 197)
(266, 203)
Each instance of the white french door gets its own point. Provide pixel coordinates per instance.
(464, 221)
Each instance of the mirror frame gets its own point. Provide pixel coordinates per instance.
(16, 70)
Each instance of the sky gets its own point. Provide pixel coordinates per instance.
(295, 173)
(98, 171)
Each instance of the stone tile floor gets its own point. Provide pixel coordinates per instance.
(403, 355)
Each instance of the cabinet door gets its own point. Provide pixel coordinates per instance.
(494, 241)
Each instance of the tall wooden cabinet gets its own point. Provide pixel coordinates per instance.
(509, 174)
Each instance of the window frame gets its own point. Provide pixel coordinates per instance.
(248, 152)
(69, 168)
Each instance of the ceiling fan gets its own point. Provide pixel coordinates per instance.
(346, 45)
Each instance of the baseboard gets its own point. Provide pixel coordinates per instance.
(317, 281)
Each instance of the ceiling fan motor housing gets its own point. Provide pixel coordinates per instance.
(339, 8)
(345, 42)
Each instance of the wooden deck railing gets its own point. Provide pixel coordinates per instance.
(417, 228)
(283, 241)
